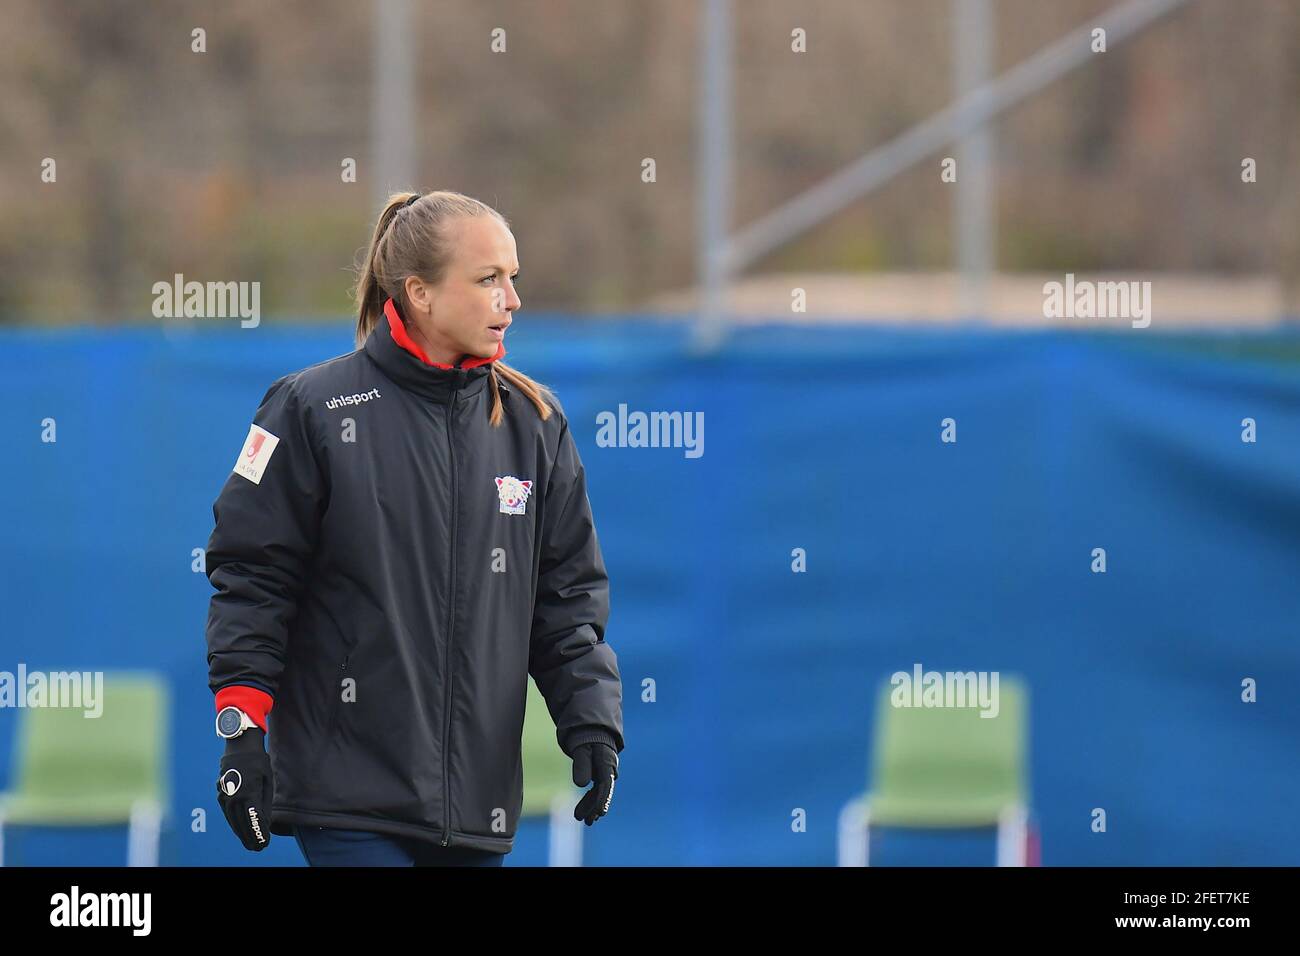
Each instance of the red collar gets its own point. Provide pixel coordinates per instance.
(403, 338)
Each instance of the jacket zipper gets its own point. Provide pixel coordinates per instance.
(451, 620)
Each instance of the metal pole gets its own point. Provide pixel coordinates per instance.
(393, 114)
(713, 161)
(975, 223)
(954, 121)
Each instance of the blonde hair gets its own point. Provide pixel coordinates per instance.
(412, 241)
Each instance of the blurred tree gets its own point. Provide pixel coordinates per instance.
(224, 165)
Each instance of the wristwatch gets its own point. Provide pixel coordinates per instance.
(231, 722)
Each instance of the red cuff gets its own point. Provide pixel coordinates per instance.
(255, 703)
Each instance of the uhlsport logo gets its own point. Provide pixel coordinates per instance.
(513, 493)
(341, 400)
(257, 825)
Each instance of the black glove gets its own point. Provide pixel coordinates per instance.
(246, 789)
(598, 762)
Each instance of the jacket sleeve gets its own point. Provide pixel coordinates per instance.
(575, 670)
(267, 523)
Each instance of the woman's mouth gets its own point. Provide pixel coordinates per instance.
(499, 331)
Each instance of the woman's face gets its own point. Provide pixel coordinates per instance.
(468, 312)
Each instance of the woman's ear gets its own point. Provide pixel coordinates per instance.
(418, 294)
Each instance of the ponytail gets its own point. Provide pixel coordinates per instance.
(537, 393)
(370, 293)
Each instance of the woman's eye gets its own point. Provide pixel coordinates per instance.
(487, 279)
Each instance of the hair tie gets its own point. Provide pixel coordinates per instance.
(392, 219)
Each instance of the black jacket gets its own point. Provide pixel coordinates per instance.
(392, 580)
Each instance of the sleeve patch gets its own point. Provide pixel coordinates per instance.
(256, 453)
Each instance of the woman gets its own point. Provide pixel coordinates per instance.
(406, 537)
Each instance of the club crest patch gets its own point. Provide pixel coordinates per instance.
(513, 493)
(257, 452)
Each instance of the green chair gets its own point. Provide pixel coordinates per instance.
(946, 767)
(548, 782)
(71, 769)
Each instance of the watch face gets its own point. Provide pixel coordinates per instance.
(228, 722)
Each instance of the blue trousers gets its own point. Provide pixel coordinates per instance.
(328, 846)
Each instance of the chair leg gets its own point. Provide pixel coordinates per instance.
(564, 835)
(144, 833)
(854, 839)
(1013, 836)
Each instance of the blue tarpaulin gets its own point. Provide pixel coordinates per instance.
(750, 688)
